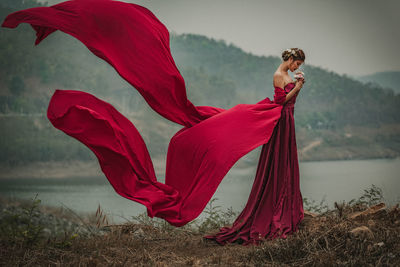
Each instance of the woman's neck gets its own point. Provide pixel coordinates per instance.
(283, 67)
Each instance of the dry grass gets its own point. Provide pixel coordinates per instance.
(326, 239)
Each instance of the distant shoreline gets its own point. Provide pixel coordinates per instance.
(59, 169)
(66, 169)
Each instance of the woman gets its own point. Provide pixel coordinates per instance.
(275, 205)
(132, 40)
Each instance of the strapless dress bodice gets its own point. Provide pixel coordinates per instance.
(289, 87)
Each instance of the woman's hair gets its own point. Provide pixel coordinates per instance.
(296, 53)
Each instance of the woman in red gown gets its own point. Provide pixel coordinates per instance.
(131, 39)
(275, 205)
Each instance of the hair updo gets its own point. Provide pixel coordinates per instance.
(296, 53)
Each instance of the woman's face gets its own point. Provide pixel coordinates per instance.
(295, 64)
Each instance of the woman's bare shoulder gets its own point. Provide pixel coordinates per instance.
(279, 80)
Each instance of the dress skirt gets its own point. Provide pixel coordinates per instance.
(275, 205)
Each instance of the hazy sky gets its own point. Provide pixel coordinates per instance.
(355, 37)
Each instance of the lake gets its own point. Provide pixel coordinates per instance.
(329, 181)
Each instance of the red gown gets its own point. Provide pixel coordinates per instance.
(275, 205)
(132, 40)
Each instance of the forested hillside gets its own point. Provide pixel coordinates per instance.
(386, 79)
(334, 99)
(337, 117)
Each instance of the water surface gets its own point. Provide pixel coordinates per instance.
(329, 181)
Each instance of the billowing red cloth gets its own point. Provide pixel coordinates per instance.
(275, 205)
(136, 44)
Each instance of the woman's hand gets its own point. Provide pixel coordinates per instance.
(299, 84)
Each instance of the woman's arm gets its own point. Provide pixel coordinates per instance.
(295, 90)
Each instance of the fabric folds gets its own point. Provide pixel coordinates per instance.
(131, 39)
(275, 204)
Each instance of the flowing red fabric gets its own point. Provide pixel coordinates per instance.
(275, 205)
(131, 39)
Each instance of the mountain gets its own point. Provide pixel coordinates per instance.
(337, 116)
(327, 99)
(385, 79)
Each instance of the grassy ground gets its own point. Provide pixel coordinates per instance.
(343, 236)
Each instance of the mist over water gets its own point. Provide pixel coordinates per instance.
(325, 180)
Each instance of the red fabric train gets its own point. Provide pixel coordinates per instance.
(136, 44)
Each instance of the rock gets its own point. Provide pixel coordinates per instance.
(362, 231)
(309, 214)
(375, 210)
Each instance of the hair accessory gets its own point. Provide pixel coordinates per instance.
(291, 51)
